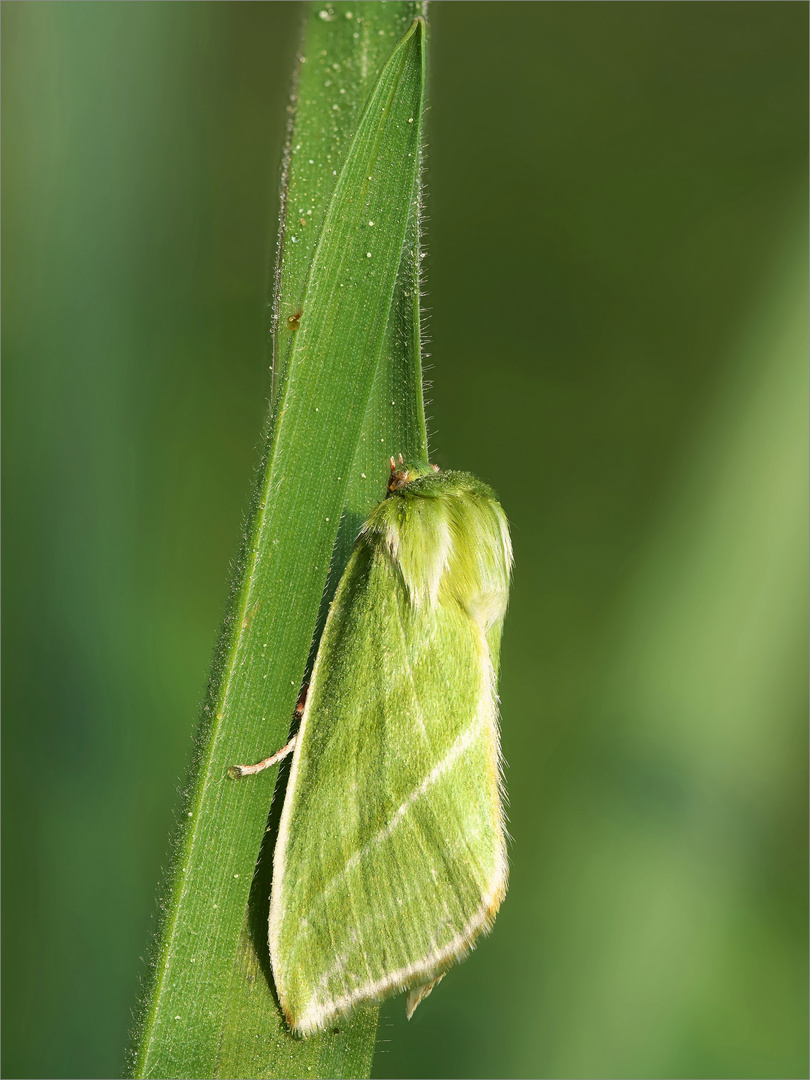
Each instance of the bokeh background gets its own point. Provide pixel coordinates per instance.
(617, 273)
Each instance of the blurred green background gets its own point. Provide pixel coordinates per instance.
(617, 273)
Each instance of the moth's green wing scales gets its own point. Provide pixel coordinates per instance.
(391, 854)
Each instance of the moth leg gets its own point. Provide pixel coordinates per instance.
(236, 771)
(298, 711)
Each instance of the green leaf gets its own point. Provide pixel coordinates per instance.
(347, 394)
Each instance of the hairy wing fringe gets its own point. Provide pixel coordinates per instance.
(318, 1015)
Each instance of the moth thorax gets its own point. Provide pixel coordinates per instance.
(403, 473)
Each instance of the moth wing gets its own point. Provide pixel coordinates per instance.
(418, 995)
(391, 854)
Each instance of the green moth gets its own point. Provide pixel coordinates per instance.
(391, 853)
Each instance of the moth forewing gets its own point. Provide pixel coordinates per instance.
(391, 854)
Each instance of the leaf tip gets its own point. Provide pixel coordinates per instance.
(418, 27)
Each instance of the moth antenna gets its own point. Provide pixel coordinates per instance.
(393, 465)
(400, 460)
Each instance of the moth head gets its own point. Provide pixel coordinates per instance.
(403, 473)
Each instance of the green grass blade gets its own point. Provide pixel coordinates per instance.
(347, 395)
